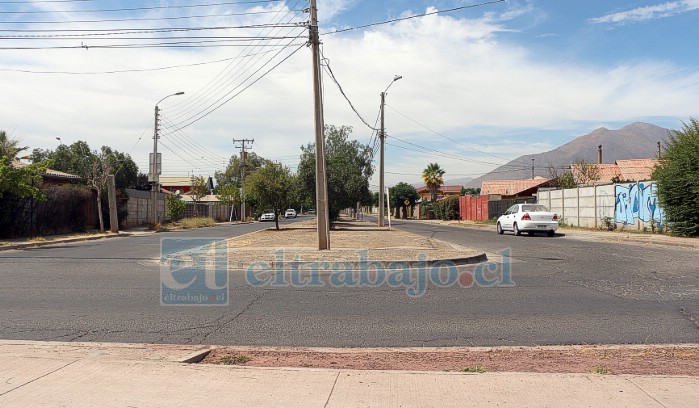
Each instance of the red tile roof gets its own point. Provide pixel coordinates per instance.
(637, 170)
(624, 170)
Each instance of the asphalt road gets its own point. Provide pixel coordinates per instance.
(566, 291)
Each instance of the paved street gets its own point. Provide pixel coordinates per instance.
(567, 291)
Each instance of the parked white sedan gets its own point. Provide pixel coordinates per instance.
(528, 218)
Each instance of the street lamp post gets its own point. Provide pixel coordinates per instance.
(155, 164)
(382, 135)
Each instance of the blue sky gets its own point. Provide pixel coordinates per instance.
(505, 79)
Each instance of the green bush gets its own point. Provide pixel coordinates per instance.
(176, 207)
(447, 209)
(678, 180)
(427, 212)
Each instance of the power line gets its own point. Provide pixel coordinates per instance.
(121, 20)
(220, 102)
(127, 70)
(329, 70)
(447, 137)
(217, 85)
(423, 149)
(414, 16)
(168, 7)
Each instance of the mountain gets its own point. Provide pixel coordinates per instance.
(635, 141)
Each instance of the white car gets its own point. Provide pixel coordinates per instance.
(268, 215)
(528, 218)
(290, 213)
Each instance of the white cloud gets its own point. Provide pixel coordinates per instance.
(459, 78)
(655, 11)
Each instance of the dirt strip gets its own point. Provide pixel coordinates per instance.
(640, 360)
(348, 241)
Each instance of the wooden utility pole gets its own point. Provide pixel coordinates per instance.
(322, 208)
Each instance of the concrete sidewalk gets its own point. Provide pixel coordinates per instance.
(47, 374)
(588, 234)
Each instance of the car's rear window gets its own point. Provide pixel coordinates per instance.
(534, 208)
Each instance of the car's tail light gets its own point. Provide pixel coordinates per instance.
(526, 217)
(555, 217)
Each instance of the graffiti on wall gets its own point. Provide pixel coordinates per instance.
(638, 201)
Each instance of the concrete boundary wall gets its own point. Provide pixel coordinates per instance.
(625, 205)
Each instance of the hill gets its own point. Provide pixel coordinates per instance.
(635, 141)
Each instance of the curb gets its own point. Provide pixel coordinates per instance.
(38, 244)
(412, 264)
(197, 357)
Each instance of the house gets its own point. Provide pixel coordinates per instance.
(183, 184)
(51, 177)
(442, 192)
(508, 189)
(620, 170)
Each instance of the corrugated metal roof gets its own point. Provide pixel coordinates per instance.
(510, 187)
(175, 181)
(49, 172)
(443, 189)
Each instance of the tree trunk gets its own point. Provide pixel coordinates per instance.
(99, 209)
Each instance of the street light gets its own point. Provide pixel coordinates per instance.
(155, 164)
(382, 135)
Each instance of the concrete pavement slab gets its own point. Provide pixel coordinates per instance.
(104, 383)
(95, 383)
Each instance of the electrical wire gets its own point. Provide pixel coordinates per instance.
(413, 16)
(131, 19)
(449, 138)
(217, 84)
(329, 70)
(126, 70)
(168, 7)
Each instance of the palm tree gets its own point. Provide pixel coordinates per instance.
(8, 147)
(432, 176)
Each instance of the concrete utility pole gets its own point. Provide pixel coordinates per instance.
(111, 196)
(532, 168)
(155, 163)
(322, 207)
(243, 156)
(382, 135)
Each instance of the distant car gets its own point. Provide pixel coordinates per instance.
(290, 213)
(311, 212)
(529, 218)
(268, 215)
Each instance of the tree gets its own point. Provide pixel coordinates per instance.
(229, 194)
(271, 186)
(198, 191)
(79, 159)
(9, 147)
(400, 193)
(432, 176)
(471, 191)
(236, 169)
(19, 182)
(348, 167)
(585, 172)
(100, 168)
(678, 180)
(562, 178)
(175, 206)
